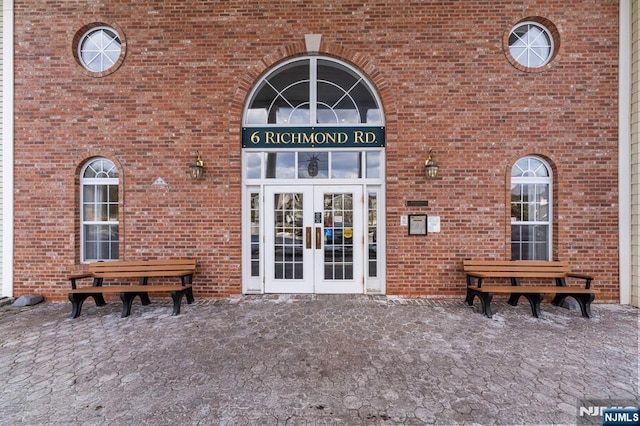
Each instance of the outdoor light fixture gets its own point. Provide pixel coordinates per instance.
(196, 168)
(431, 166)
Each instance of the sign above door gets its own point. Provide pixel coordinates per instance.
(313, 137)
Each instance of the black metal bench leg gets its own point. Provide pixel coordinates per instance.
(558, 299)
(99, 299)
(144, 298)
(189, 294)
(534, 300)
(585, 303)
(513, 299)
(127, 301)
(77, 299)
(485, 301)
(584, 300)
(177, 300)
(469, 299)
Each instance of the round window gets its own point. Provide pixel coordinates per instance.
(531, 44)
(99, 49)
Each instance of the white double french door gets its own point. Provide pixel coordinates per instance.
(314, 239)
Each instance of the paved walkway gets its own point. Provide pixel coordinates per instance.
(268, 360)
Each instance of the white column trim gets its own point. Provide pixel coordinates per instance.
(624, 152)
(7, 152)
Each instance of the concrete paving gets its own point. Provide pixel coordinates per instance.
(306, 360)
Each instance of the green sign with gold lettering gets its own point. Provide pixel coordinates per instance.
(312, 137)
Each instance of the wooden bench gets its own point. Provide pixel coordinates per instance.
(479, 270)
(142, 270)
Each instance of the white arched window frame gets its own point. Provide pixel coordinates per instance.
(99, 211)
(314, 91)
(531, 209)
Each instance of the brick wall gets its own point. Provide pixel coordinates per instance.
(445, 84)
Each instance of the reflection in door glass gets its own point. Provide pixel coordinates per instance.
(338, 236)
(288, 236)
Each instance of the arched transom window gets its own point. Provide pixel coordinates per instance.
(314, 91)
(531, 215)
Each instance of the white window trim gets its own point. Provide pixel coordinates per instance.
(92, 181)
(548, 180)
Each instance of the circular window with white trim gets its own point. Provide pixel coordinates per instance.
(99, 49)
(531, 44)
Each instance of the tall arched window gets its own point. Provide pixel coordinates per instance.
(531, 215)
(99, 230)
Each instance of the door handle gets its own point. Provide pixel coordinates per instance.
(308, 237)
(318, 237)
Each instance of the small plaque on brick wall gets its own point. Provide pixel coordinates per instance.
(418, 203)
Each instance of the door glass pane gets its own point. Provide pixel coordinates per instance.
(372, 238)
(255, 234)
(288, 236)
(338, 236)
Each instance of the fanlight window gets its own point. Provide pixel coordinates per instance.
(314, 91)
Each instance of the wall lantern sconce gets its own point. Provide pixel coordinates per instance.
(431, 166)
(196, 168)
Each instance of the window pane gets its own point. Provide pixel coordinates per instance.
(88, 193)
(89, 212)
(345, 165)
(313, 165)
(373, 165)
(113, 213)
(115, 251)
(281, 165)
(90, 250)
(113, 193)
(102, 193)
(254, 165)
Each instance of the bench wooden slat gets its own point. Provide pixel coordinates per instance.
(140, 274)
(508, 289)
(130, 289)
(516, 274)
(509, 263)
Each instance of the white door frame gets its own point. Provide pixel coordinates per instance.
(299, 235)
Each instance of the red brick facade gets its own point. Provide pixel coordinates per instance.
(445, 83)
